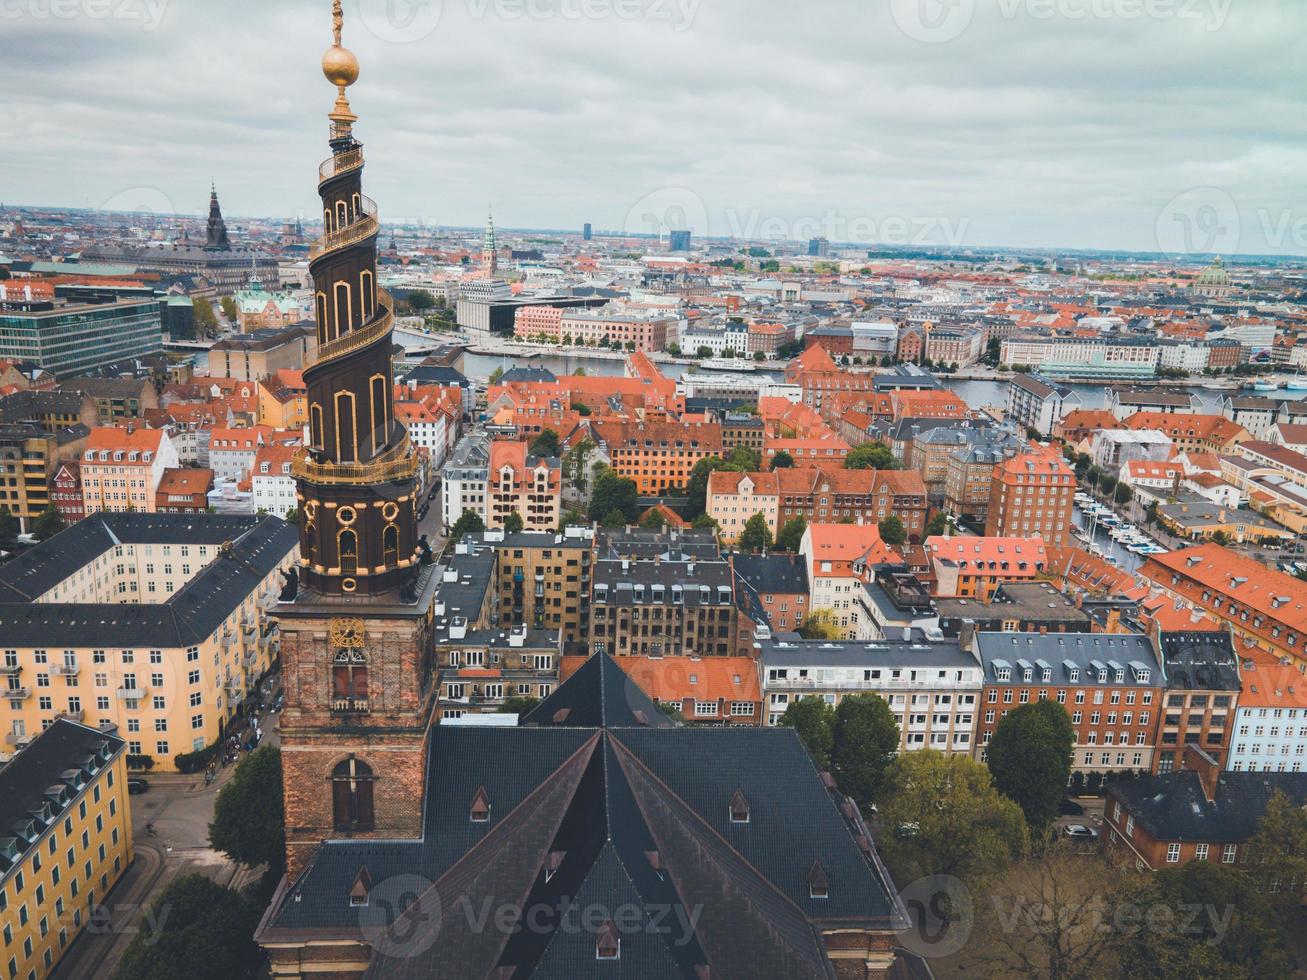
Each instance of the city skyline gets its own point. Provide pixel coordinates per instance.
(894, 130)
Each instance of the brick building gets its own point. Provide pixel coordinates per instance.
(1110, 684)
(658, 456)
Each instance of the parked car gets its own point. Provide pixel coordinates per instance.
(1070, 808)
(137, 785)
(1078, 831)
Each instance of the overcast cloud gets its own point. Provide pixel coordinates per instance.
(1078, 123)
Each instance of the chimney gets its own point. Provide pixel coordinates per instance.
(1208, 769)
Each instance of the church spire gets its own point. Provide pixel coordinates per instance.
(489, 252)
(216, 233)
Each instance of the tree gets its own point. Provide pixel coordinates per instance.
(703, 351)
(866, 739)
(229, 308)
(8, 528)
(756, 536)
(1030, 757)
(496, 375)
(614, 493)
(672, 711)
(821, 624)
(421, 300)
(696, 488)
(513, 523)
(674, 349)
(759, 356)
(202, 931)
(206, 321)
(870, 456)
(518, 705)
(892, 531)
(614, 518)
(937, 525)
(545, 444)
(249, 824)
(1281, 844)
(1033, 434)
(469, 522)
(292, 515)
(791, 535)
(1243, 938)
(1124, 493)
(814, 720)
(782, 461)
(992, 351)
(963, 825)
(653, 520)
(744, 460)
(705, 522)
(50, 523)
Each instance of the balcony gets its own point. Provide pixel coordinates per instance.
(18, 693)
(65, 670)
(347, 705)
(18, 741)
(10, 668)
(131, 693)
(77, 715)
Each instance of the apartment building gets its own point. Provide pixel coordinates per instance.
(543, 581)
(155, 623)
(1253, 413)
(934, 448)
(1125, 402)
(646, 333)
(1197, 813)
(973, 568)
(1269, 731)
(1262, 607)
(706, 690)
(933, 688)
(68, 840)
(30, 456)
(969, 479)
(663, 593)
(232, 451)
(466, 477)
(818, 496)
(779, 585)
(518, 483)
(481, 660)
(658, 456)
(1110, 685)
(1034, 403)
(184, 491)
(121, 468)
(1031, 494)
(272, 487)
(1202, 695)
(838, 559)
(66, 491)
(1192, 433)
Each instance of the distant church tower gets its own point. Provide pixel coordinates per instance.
(216, 234)
(489, 253)
(356, 647)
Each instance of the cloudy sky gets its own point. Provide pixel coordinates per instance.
(1139, 124)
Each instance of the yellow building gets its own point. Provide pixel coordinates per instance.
(284, 400)
(154, 623)
(66, 840)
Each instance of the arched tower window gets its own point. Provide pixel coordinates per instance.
(367, 305)
(390, 546)
(326, 220)
(349, 681)
(342, 214)
(344, 310)
(357, 204)
(351, 796)
(347, 544)
(311, 541)
(324, 321)
(346, 431)
(380, 410)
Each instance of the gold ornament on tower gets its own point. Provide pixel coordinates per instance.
(348, 633)
(341, 69)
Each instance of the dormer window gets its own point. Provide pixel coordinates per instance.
(358, 892)
(554, 862)
(1003, 673)
(818, 883)
(608, 945)
(739, 807)
(479, 812)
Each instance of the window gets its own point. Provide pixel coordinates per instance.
(1200, 852)
(1172, 853)
(351, 795)
(1227, 854)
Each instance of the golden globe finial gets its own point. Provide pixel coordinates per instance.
(339, 64)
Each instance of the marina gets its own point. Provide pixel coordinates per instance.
(1103, 533)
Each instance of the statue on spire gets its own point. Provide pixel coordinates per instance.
(337, 20)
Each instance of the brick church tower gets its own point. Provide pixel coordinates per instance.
(357, 665)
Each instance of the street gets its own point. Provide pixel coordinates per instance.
(180, 806)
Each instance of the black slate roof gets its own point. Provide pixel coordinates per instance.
(65, 756)
(1173, 807)
(188, 616)
(594, 808)
(1200, 660)
(772, 574)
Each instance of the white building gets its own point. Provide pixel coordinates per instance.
(1270, 727)
(1110, 449)
(933, 688)
(466, 476)
(272, 488)
(1038, 404)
